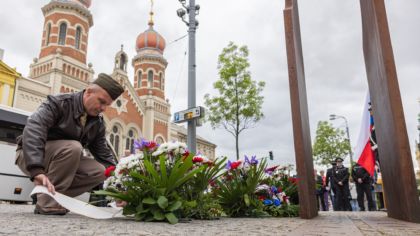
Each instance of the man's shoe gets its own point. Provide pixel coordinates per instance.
(51, 211)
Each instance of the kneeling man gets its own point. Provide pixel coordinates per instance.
(53, 147)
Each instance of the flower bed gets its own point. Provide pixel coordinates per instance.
(165, 182)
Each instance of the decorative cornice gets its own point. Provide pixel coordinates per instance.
(68, 5)
(150, 58)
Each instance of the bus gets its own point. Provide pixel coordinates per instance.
(15, 186)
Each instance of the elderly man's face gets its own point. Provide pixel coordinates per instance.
(339, 163)
(95, 100)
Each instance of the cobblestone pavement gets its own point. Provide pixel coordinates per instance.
(20, 220)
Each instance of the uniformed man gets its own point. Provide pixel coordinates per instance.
(340, 178)
(363, 186)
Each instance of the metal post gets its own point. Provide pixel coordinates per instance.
(334, 117)
(348, 138)
(191, 136)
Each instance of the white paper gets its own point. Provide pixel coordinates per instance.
(79, 207)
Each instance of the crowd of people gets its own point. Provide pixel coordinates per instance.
(347, 190)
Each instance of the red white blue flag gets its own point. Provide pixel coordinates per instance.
(363, 150)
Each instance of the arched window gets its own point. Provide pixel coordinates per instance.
(122, 62)
(63, 32)
(47, 39)
(150, 79)
(161, 80)
(159, 140)
(129, 144)
(115, 139)
(78, 36)
(139, 80)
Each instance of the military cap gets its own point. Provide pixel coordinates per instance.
(111, 86)
(339, 159)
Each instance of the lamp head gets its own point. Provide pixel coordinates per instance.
(333, 117)
(180, 12)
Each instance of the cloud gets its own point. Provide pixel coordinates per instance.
(332, 47)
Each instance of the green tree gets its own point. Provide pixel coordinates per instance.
(329, 144)
(238, 105)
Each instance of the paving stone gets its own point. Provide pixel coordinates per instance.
(20, 220)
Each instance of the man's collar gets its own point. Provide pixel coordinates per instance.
(78, 104)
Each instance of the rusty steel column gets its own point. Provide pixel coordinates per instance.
(301, 131)
(391, 132)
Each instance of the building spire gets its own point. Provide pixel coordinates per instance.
(151, 14)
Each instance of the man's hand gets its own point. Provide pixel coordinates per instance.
(121, 203)
(340, 183)
(359, 180)
(43, 180)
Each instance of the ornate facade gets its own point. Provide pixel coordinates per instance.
(142, 111)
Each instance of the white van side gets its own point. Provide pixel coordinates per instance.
(14, 184)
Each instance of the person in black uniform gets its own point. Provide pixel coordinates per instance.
(363, 186)
(330, 188)
(341, 183)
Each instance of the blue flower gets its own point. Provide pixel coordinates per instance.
(277, 202)
(228, 165)
(252, 161)
(267, 202)
(274, 189)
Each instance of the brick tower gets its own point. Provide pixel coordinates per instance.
(62, 59)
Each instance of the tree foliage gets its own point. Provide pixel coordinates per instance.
(238, 105)
(329, 144)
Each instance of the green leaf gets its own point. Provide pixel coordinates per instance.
(158, 215)
(191, 204)
(120, 196)
(151, 170)
(176, 205)
(149, 201)
(171, 218)
(162, 202)
(246, 199)
(164, 175)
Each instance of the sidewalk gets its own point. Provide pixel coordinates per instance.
(20, 220)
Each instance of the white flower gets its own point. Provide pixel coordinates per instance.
(175, 147)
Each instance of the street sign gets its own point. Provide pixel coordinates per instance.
(192, 113)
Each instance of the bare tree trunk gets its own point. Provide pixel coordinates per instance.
(237, 145)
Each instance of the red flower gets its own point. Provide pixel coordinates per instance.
(209, 163)
(109, 170)
(261, 198)
(197, 159)
(151, 145)
(293, 180)
(279, 189)
(235, 165)
(212, 183)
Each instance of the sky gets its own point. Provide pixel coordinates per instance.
(332, 48)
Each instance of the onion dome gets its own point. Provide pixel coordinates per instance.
(150, 39)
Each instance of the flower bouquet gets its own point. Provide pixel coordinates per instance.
(235, 190)
(149, 181)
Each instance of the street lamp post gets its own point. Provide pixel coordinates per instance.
(192, 9)
(334, 117)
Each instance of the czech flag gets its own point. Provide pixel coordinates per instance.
(363, 150)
